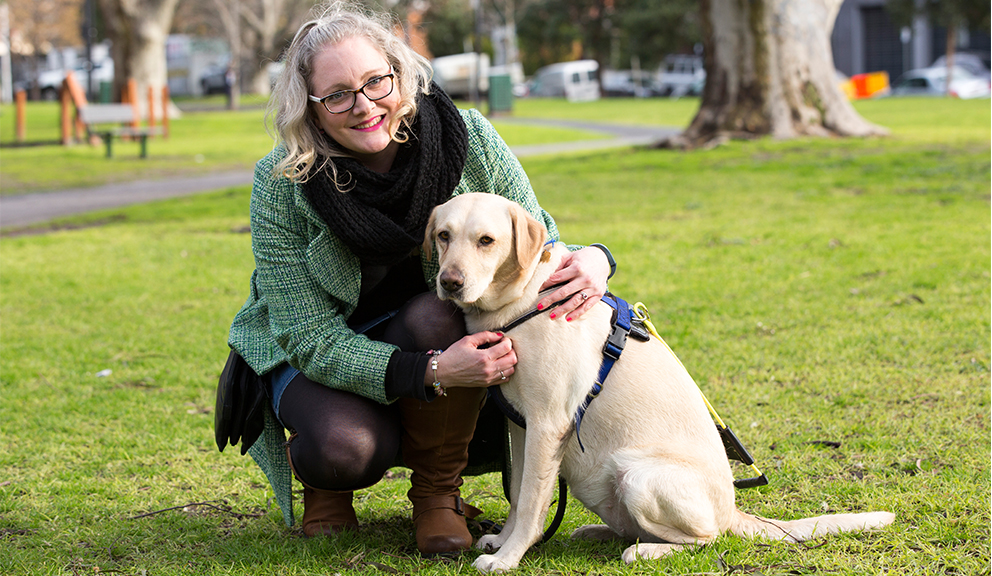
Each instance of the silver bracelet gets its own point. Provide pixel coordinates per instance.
(438, 389)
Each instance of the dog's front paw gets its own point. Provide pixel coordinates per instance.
(488, 563)
(489, 543)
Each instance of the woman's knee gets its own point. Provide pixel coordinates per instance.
(342, 441)
(347, 459)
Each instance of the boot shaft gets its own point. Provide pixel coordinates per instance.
(436, 436)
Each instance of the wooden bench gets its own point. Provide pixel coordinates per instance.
(109, 120)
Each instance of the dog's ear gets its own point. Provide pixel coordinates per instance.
(428, 246)
(528, 235)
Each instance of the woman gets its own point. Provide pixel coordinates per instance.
(365, 365)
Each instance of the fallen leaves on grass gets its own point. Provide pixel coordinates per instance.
(728, 568)
(827, 443)
(221, 507)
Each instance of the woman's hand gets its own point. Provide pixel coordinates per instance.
(585, 273)
(465, 364)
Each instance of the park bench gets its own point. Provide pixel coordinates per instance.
(110, 120)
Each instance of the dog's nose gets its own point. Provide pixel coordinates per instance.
(452, 280)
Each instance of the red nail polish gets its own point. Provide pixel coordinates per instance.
(541, 307)
(552, 316)
(568, 319)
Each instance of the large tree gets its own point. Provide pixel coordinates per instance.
(270, 25)
(138, 29)
(769, 71)
(229, 13)
(258, 30)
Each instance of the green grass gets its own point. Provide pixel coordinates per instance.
(632, 111)
(817, 290)
(207, 139)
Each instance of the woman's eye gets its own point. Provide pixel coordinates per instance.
(336, 97)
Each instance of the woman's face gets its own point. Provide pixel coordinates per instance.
(362, 130)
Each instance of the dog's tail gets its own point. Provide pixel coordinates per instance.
(806, 528)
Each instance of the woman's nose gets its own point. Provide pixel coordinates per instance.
(362, 104)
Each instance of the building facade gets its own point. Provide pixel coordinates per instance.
(866, 40)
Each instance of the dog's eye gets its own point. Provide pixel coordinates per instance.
(486, 240)
(443, 236)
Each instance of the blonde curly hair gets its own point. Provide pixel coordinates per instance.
(291, 115)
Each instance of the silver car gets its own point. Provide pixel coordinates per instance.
(933, 82)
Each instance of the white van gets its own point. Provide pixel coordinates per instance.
(576, 81)
(682, 75)
(456, 74)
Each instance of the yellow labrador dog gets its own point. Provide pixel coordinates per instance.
(653, 467)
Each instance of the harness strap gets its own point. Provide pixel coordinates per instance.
(496, 395)
(620, 328)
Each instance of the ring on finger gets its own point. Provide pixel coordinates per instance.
(501, 375)
(584, 296)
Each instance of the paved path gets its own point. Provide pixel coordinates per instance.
(22, 210)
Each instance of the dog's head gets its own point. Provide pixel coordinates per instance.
(486, 244)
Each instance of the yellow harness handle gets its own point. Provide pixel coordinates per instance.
(642, 314)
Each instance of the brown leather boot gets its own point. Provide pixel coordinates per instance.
(326, 512)
(436, 435)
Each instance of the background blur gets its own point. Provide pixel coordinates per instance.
(642, 48)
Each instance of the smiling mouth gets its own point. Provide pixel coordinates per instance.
(370, 125)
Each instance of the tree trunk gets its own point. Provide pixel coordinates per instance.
(951, 46)
(138, 29)
(271, 21)
(770, 71)
(230, 16)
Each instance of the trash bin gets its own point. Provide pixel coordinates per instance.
(106, 92)
(500, 93)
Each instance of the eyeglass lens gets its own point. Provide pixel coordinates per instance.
(375, 89)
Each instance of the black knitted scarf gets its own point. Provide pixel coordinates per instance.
(382, 217)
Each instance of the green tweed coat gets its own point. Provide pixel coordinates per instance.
(306, 284)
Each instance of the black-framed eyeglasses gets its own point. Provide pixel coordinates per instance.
(343, 100)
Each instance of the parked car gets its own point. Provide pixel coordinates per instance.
(933, 82)
(574, 80)
(975, 62)
(50, 81)
(214, 80)
(636, 83)
(455, 74)
(682, 75)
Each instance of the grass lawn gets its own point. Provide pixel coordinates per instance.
(205, 139)
(831, 298)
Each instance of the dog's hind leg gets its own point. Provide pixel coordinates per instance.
(649, 551)
(668, 502)
(597, 532)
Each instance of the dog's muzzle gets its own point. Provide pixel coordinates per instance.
(451, 281)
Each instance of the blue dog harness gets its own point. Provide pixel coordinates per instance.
(623, 324)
